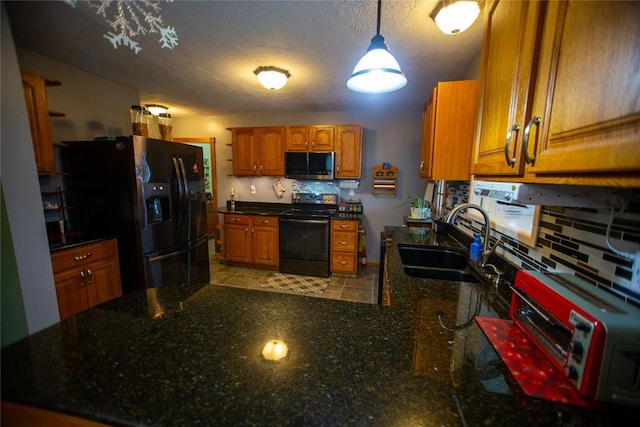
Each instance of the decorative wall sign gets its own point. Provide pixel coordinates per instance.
(130, 18)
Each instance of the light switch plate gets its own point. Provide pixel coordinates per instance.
(253, 189)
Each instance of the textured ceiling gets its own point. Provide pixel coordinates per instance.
(220, 43)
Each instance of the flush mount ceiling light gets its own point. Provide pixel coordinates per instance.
(455, 16)
(156, 109)
(377, 71)
(272, 78)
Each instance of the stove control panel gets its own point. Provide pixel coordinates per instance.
(329, 199)
(315, 198)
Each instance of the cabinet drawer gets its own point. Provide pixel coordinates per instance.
(343, 242)
(342, 225)
(237, 219)
(65, 259)
(343, 263)
(265, 221)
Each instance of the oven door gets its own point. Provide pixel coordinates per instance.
(304, 246)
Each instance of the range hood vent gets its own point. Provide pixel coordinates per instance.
(575, 196)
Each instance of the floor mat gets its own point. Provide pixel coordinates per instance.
(294, 282)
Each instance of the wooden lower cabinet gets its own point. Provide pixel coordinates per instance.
(86, 276)
(252, 239)
(344, 246)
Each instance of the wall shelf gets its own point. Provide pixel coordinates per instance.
(385, 180)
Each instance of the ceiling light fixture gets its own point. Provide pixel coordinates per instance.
(377, 71)
(272, 78)
(454, 16)
(156, 109)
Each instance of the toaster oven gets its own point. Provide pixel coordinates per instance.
(588, 334)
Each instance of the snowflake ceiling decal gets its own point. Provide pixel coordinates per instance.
(130, 18)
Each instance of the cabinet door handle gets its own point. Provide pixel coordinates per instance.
(81, 278)
(535, 120)
(343, 243)
(422, 166)
(246, 230)
(264, 221)
(343, 262)
(344, 226)
(313, 144)
(90, 277)
(511, 161)
(253, 230)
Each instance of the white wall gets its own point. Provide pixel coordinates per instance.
(22, 196)
(388, 136)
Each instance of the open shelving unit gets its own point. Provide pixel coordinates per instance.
(385, 180)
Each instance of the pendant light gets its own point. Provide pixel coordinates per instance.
(377, 71)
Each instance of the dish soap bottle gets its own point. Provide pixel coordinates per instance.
(475, 249)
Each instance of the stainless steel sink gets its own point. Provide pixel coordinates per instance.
(436, 263)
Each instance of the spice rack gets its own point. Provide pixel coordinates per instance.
(385, 180)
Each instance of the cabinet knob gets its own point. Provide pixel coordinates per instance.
(89, 277)
(82, 278)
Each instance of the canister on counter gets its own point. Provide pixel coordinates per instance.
(139, 125)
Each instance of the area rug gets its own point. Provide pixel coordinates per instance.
(294, 282)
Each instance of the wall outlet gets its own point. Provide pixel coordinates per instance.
(635, 274)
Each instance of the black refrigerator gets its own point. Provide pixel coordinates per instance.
(150, 194)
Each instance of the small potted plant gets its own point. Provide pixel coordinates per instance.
(420, 208)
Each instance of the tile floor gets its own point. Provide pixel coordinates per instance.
(362, 288)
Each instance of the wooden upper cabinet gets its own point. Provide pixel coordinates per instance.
(348, 148)
(244, 151)
(35, 96)
(258, 151)
(511, 39)
(559, 102)
(310, 138)
(449, 120)
(271, 141)
(587, 95)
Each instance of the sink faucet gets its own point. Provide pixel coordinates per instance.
(487, 250)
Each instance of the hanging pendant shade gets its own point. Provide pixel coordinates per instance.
(377, 71)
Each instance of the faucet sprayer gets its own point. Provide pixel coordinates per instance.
(487, 250)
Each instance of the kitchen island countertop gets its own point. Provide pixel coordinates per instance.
(191, 355)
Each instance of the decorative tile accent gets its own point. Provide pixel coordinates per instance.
(571, 240)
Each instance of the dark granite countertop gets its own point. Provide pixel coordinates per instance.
(190, 355)
(255, 208)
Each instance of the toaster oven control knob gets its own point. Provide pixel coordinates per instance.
(571, 372)
(576, 348)
(583, 326)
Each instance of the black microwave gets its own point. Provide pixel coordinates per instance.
(313, 165)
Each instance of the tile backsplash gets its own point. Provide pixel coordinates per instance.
(571, 240)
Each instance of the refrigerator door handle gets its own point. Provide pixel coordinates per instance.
(185, 199)
(180, 190)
